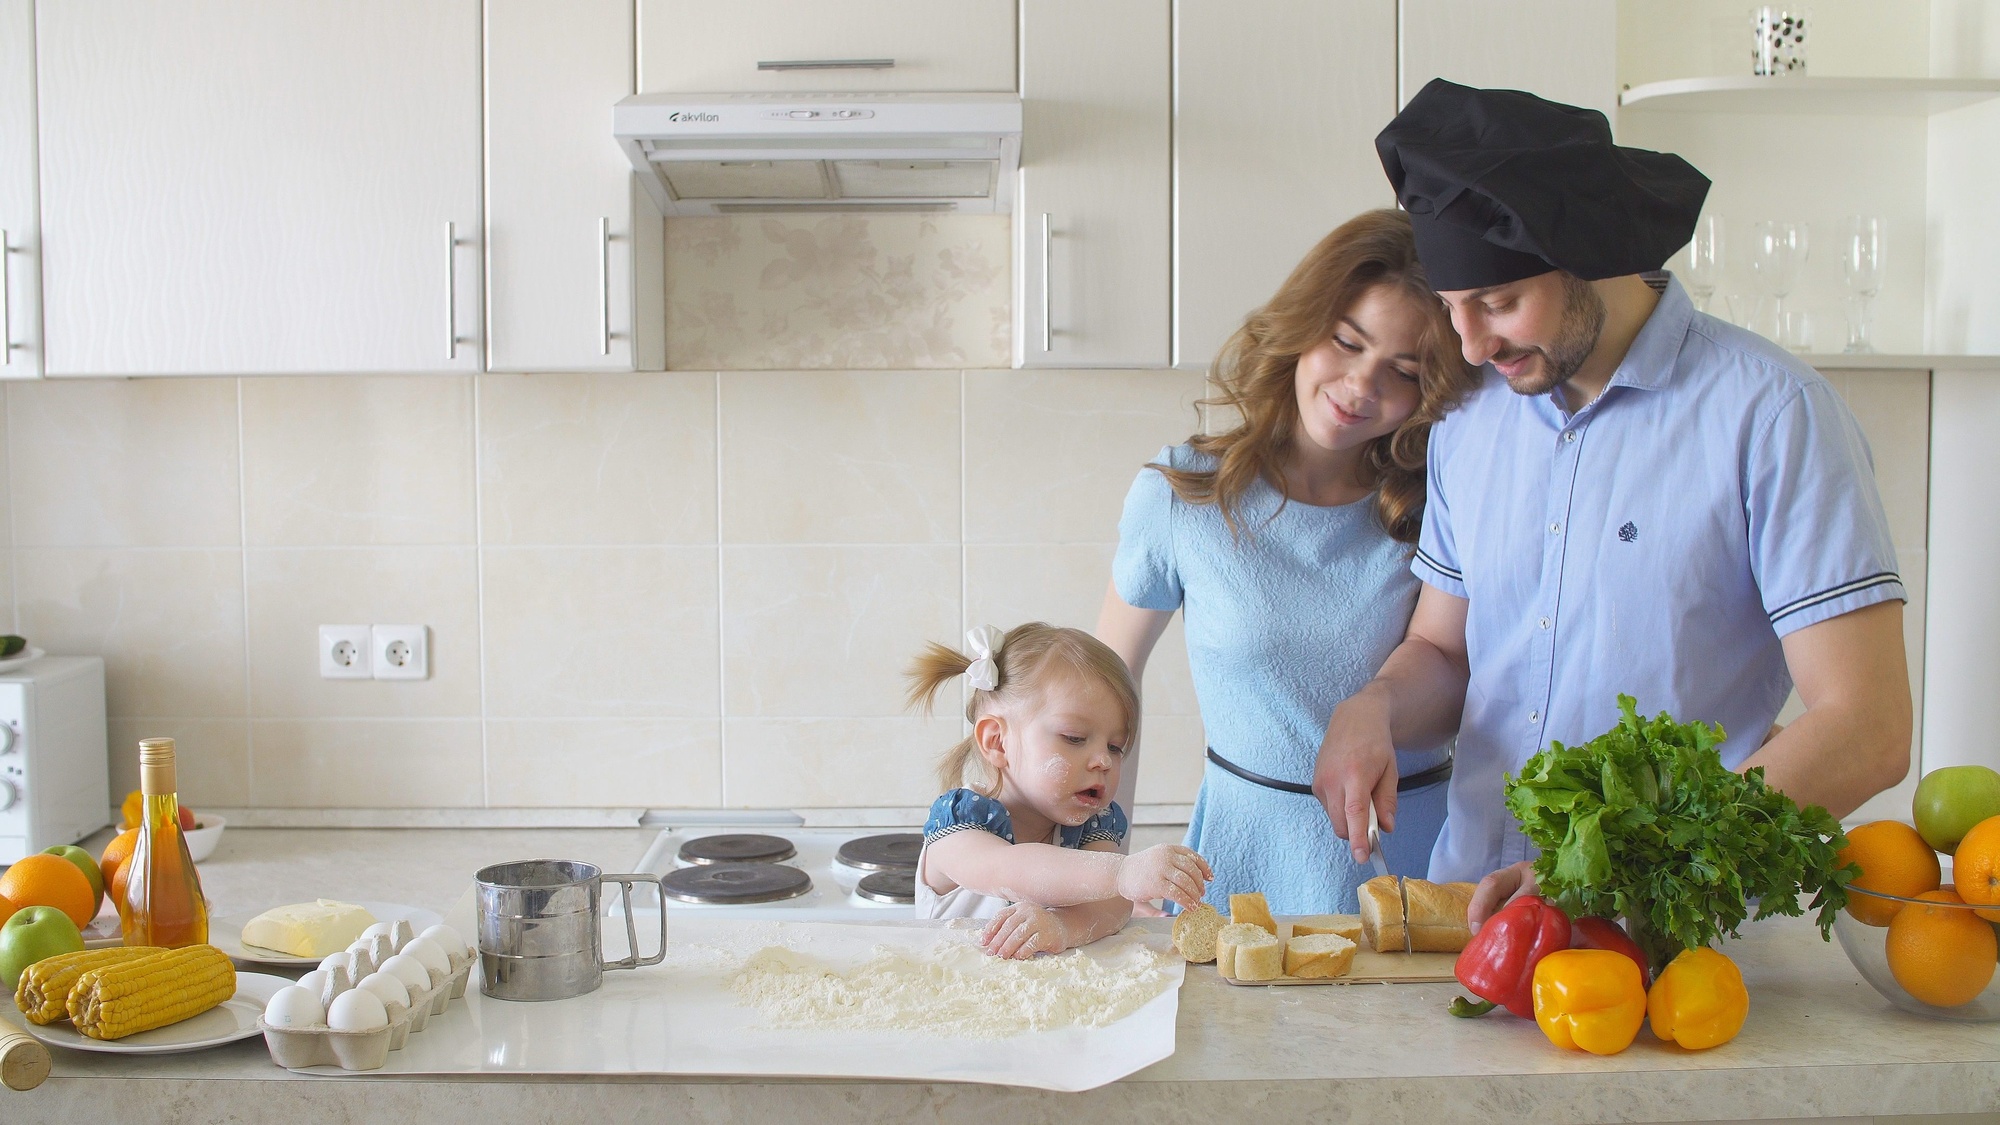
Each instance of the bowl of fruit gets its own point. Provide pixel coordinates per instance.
(1922, 922)
(203, 831)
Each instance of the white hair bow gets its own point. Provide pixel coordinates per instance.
(984, 643)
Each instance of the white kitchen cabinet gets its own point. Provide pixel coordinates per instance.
(1091, 231)
(1563, 50)
(755, 46)
(260, 186)
(1277, 105)
(20, 219)
(574, 258)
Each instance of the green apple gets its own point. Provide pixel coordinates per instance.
(1953, 799)
(83, 861)
(33, 934)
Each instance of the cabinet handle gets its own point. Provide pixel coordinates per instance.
(604, 285)
(6, 304)
(826, 64)
(1048, 300)
(450, 290)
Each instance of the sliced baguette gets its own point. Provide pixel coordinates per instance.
(1252, 910)
(1232, 938)
(1382, 914)
(1346, 925)
(1195, 932)
(1260, 957)
(1319, 956)
(1437, 917)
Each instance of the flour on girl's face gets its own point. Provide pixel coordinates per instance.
(1063, 751)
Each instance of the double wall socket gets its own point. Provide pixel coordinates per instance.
(374, 652)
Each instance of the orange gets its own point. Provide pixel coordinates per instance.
(112, 863)
(1941, 956)
(50, 880)
(1976, 868)
(1893, 860)
(132, 811)
(6, 911)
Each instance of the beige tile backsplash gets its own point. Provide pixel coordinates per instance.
(691, 589)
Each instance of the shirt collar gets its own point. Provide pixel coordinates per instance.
(1654, 353)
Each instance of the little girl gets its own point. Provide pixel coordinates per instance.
(1026, 833)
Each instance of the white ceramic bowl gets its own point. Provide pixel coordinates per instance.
(207, 833)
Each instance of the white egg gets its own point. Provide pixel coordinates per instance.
(447, 939)
(410, 970)
(315, 981)
(432, 955)
(376, 928)
(389, 987)
(296, 1007)
(357, 1010)
(332, 959)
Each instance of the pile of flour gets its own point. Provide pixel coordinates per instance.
(952, 988)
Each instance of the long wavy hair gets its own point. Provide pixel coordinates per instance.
(1256, 375)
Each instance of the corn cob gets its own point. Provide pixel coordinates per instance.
(127, 997)
(43, 992)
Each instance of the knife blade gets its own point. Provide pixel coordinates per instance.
(1375, 842)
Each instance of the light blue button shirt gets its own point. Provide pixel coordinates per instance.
(1717, 496)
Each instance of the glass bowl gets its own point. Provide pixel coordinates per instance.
(1867, 947)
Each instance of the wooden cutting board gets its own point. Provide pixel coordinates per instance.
(1371, 967)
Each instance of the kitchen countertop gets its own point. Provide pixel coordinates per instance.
(1820, 1042)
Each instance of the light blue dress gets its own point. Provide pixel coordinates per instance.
(1281, 625)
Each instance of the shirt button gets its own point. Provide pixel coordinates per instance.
(1534, 716)
(1569, 435)
(1545, 622)
(1556, 528)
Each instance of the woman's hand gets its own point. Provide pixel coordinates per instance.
(1167, 871)
(1022, 929)
(1357, 765)
(1497, 890)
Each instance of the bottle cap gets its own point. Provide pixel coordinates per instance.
(156, 766)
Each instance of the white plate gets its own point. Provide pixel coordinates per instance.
(233, 1019)
(30, 655)
(226, 933)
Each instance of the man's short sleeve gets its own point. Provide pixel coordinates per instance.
(1145, 570)
(1436, 561)
(1819, 540)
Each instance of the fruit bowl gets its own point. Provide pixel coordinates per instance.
(202, 838)
(1931, 956)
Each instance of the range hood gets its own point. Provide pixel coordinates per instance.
(736, 153)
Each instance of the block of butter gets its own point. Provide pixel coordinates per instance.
(308, 929)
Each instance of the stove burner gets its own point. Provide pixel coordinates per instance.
(736, 884)
(894, 851)
(889, 886)
(737, 848)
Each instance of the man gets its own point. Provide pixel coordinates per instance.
(1639, 499)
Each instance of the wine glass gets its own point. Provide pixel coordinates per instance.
(1861, 260)
(1704, 270)
(1778, 256)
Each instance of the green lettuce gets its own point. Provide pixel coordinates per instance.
(1645, 823)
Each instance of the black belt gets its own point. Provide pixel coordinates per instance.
(1417, 780)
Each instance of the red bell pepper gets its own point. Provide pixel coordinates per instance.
(1498, 964)
(1603, 933)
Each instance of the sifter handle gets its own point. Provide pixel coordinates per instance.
(24, 1062)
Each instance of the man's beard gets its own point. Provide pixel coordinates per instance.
(1576, 337)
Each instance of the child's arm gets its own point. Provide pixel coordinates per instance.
(1024, 929)
(1047, 875)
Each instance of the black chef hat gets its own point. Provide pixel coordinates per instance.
(1502, 185)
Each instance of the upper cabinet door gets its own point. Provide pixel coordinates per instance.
(1277, 107)
(1092, 228)
(755, 46)
(1563, 50)
(20, 222)
(260, 186)
(574, 252)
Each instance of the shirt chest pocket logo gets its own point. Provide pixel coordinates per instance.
(1628, 533)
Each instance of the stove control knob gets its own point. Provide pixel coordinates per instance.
(9, 738)
(9, 794)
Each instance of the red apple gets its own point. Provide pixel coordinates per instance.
(187, 819)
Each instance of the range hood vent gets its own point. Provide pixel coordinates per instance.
(749, 153)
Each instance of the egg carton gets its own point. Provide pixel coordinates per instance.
(296, 1048)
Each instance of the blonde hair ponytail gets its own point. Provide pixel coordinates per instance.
(1026, 658)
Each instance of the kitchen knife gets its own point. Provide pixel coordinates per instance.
(1382, 869)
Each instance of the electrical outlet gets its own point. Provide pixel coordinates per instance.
(402, 652)
(346, 652)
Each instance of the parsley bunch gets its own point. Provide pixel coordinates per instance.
(1644, 822)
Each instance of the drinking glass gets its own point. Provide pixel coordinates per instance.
(1780, 44)
(1704, 270)
(1777, 257)
(1861, 260)
(1795, 330)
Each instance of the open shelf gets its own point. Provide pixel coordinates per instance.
(1875, 361)
(1897, 97)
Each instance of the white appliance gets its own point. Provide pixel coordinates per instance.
(832, 890)
(744, 153)
(55, 785)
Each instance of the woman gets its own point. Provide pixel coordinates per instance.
(1286, 542)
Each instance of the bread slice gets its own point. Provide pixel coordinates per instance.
(1319, 956)
(1346, 925)
(1252, 910)
(1437, 917)
(1382, 914)
(1260, 957)
(1195, 931)
(1233, 937)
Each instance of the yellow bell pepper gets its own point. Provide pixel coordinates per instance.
(1699, 1000)
(1589, 1000)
